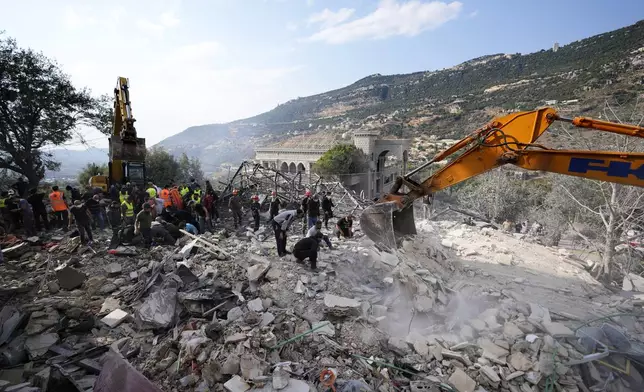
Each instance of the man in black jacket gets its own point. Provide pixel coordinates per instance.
(275, 205)
(305, 209)
(313, 211)
(327, 208)
(40, 212)
(307, 248)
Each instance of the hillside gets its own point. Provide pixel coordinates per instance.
(72, 161)
(446, 103)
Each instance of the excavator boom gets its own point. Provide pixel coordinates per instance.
(505, 140)
(127, 150)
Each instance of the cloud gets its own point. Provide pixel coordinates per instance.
(73, 19)
(165, 21)
(391, 18)
(309, 3)
(290, 26)
(473, 14)
(328, 18)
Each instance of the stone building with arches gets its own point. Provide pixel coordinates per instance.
(387, 159)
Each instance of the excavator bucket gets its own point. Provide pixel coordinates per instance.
(385, 223)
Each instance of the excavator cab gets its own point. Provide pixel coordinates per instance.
(507, 139)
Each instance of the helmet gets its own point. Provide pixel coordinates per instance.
(308, 193)
(273, 193)
(255, 197)
(235, 191)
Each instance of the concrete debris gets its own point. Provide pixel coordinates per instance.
(461, 381)
(221, 311)
(334, 301)
(69, 278)
(115, 318)
(38, 345)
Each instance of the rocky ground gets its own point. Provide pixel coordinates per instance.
(456, 308)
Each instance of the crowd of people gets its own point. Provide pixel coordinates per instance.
(151, 214)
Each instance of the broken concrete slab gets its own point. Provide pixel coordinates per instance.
(257, 271)
(267, 318)
(37, 345)
(539, 314)
(423, 303)
(520, 361)
(389, 259)
(491, 350)
(69, 278)
(324, 328)
(512, 332)
(490, 373)
(514, 375)
(15, 251)
(158, 309)
(558, 330)
(236, 338)
(187, 277)
(113, 269)
(234, 314)
(399, 346)
(256, 305)
(461, 381)
(114, 318)
(636, 281)
(334, 301)
(236, 384)
(478, 325)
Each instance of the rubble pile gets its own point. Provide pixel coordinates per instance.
(222, 312)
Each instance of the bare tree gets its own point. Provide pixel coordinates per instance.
(611, 209)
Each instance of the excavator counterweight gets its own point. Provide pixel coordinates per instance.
(505, 140)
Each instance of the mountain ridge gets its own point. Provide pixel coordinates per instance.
(446, 103)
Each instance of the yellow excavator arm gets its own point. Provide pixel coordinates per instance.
(127, 150)
(508, 139)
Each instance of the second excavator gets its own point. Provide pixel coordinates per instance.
(505, 140)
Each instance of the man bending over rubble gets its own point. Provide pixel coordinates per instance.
(344, 227)
(143, 224)
(281, 223)
(307, 248)
(316, 232)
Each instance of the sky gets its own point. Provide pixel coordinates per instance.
(194, 62)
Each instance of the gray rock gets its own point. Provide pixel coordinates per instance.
(333, 301)
(512, 332)
(423, 304)
(325, 328)
(267, 318)
(231, 365)
(53, 287)
(281, 378)
(120, 282)
(520, 361)
(398, 346)
(108, 289)
(236, 384)
(113, 269)
(234, 314)
(38, 345)
(489, 372)
(256, 305)
(236, 338)
(257, 271)
(558, 330)
(461, 381)
(69, 278)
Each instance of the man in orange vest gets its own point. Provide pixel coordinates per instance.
(58, 204)
(165, 195)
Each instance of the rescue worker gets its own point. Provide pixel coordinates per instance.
(21, 187)
(151, 191)
(344, 227)
(193, 185)
(58, 204)
(40, 211)
(207, 203)
(11, 212)
(316, 232)
(123, 194)
(275, 205)
(281, 223)
(73, 192)
(254, 208)
(313, 210)
(27, 217)
(306, 248)
(160, 234)
(203, 217)
(4, 209)
(196, 195)
(327, 208)
(165, 195)
(114, 219)
(127, 210)
(81, 215)
(143, 225)
(113, 192)
(184, 190)
(215, 206)
(305, 209)
(94, 207)
(235, 206)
